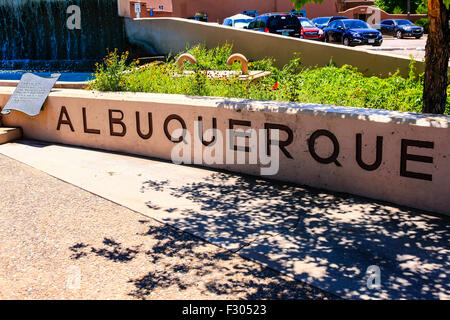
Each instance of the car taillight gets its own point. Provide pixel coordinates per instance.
(301, 32)
(266, 30)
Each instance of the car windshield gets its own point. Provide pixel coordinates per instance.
(404, 22)
(246, 21)
(338, 18)
(355, 24)
(281, 21)
(321, 20)
(307, 24)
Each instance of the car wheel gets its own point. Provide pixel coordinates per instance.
(418, 37)
(399, 35)
(346, 41)
(327, 39)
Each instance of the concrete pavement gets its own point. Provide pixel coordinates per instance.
(404, 47)
(58, 241)
(324, 239)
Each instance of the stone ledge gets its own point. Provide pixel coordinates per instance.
(58, 84)
(236, 104)
(9, 134)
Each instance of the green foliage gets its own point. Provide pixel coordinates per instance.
(390, 5)
(447, 3)
(397, 10)
(422, 8)
(110, 75)
(213, 59)
(298, 4)
(425, 23)
(343, 86)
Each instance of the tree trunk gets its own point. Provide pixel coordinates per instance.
(436, 58)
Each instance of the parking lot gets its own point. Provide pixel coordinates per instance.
(407, 46)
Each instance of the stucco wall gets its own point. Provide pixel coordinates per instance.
(399, 157)
(325, 9)
(123, 7)
(170, 35)
(218, 10)
(376, 13)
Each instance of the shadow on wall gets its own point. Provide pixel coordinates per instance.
(343, 112)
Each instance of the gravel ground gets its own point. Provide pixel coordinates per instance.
(60, 242)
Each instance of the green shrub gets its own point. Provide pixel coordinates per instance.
(422, 8)
(425, 23)
(213, 59)
(344, 86)
(397, 10)
(110, 75)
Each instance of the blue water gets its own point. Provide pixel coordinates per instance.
(65, 76)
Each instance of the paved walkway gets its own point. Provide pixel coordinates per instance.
(58, 241)
(406, 47)
(326, 240)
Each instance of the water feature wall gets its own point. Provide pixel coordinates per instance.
(36, 32)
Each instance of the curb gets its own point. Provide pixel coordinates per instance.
(399, 48)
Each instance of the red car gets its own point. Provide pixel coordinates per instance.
(309, 30)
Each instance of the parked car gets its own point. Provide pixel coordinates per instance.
(351, 32)
(323, 22)
(238, 21)
(400, 28)
(284, 24)
(251, 13)
(309, 30)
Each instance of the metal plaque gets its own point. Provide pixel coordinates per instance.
(30, 94)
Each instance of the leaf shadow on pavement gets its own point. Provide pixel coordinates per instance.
(323, 240)
(178, 261)
(232, 210)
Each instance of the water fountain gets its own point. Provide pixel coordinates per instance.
(34, 34)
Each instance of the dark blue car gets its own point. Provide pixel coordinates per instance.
(400, 28)
(352, 32)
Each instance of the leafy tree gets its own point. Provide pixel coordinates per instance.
(397, 10)
(436, 57)
(422, 8)
(390, 5)
(436, 51)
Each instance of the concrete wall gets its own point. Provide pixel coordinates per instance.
(354, 13)
(399, 157)
(325, 9)
(58, 84)
(218, 10)
(165, 35)
(123, 8)
(147, 6)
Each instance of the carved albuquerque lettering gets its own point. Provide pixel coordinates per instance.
(118, 128)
